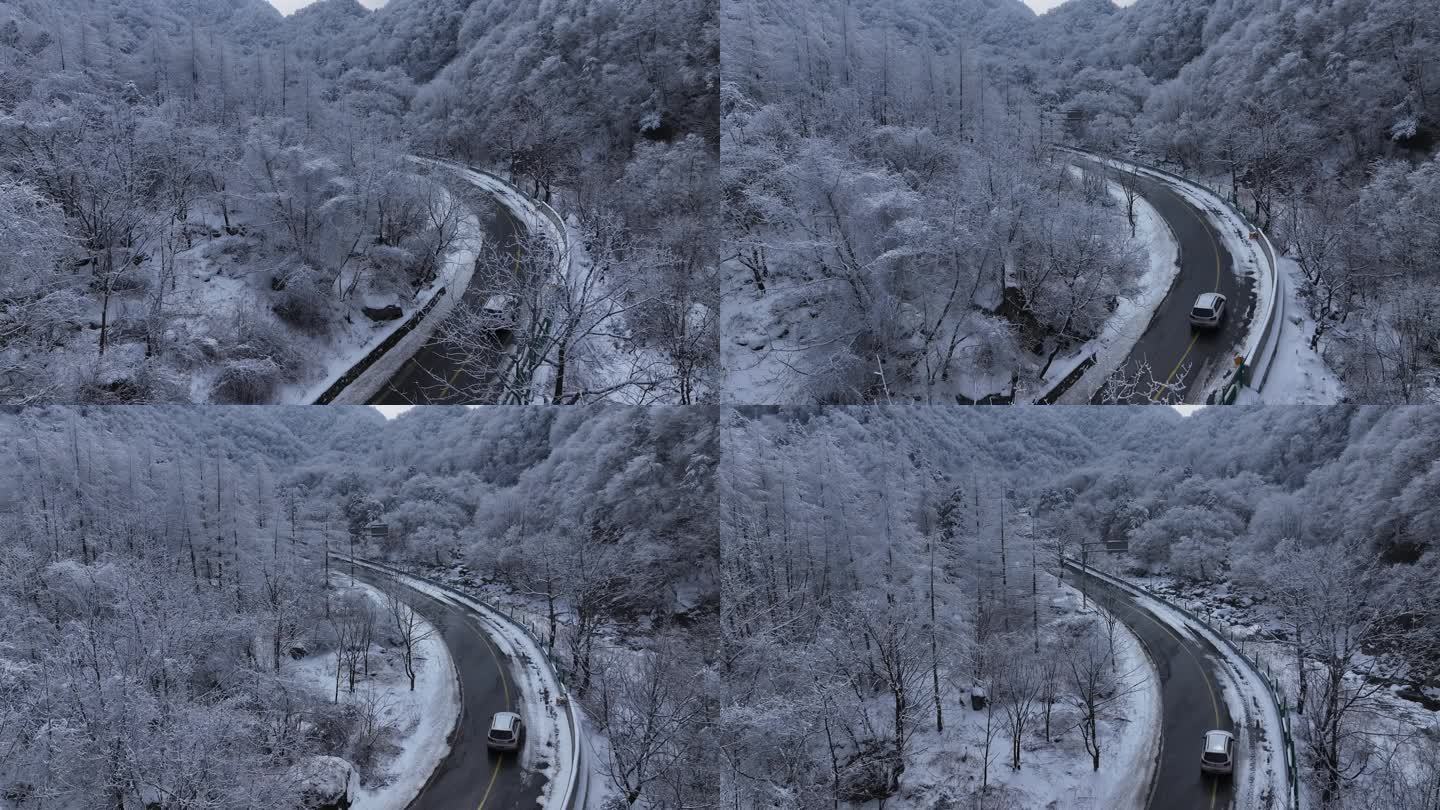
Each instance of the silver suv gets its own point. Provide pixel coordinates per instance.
(500, 312)
(1208, 311)
(507, 732)
(1218, 756)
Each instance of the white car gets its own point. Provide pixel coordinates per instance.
(1208, 311)
(1218, 755)
(499, 312)
(507, 732)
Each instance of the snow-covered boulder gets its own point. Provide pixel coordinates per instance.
(388, 312)
(327, 783)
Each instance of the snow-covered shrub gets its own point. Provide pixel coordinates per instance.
(302, 302)
(246, 381)
(257, 336)
(372, 738)
(124, 375)
(326, 783)
(393, 264)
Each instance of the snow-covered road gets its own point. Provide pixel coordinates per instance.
(1203, 687)
(504, 671)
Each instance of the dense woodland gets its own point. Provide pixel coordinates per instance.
(200, 196)
(888, 155)
(878, 562)
(161, 568)
(895, 226)
(1322, 121)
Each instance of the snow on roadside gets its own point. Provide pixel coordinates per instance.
(547, 727)
(1258, 728)
(423, 718)
(1298, 375)
(595, 785)
(454, 276)
(1127, 324)
(1139, 733)
(1248, 259)
(1057, 773)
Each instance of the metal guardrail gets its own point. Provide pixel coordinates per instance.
(375, 354)
(1260, 348)
(1261, 670)
(576, 789)
(1064, 384)
(567, 256)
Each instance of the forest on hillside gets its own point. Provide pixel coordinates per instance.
(203, 197)
(881, 562)
(1320, 119)
(167, 573)
(895, 226)
(897, 229)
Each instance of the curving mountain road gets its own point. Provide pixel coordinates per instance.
(471, 777)
(1176, 353)
(432, 376)
(1192, 697)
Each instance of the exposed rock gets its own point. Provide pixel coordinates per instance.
(385, 313)
(326, 783)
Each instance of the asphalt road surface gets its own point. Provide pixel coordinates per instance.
(1192, 704)
(471, 777)
(1177, 354)
(433, 376)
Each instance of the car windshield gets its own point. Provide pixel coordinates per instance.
(1203, 312)
(501, 733)
(1211, 756)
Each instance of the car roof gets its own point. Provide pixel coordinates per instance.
(1217, 741)
(1208, 300)
(504, 721)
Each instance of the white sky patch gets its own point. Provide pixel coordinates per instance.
(1187, 410)
(1040, 6)
(392, 411)
(291, 6)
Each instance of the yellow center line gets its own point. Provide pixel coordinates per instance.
(1178, 364)
(504, 684)
(1215, 249)
(1209, 685)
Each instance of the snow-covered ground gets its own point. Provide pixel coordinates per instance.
(605, 359)
(1299, 375)
(530, 610)
(1132, 316)
(454, 277)
(1260, 776)
(1054, 774)
(224, 279)
(1248, 257)
(548, 720)
(1398, 722)
(608, 359)
(217, 282)
(422, 720)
